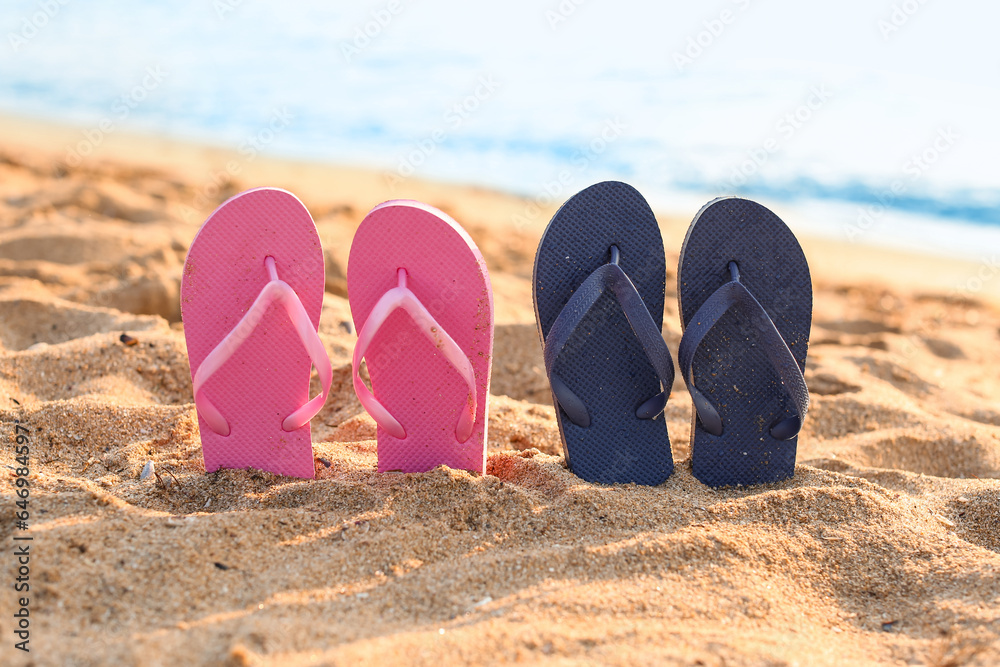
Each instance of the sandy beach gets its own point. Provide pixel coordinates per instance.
(883, 549)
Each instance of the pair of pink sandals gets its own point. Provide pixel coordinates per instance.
(422, 304)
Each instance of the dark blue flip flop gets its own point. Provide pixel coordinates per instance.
(745, 299)
(598, 291)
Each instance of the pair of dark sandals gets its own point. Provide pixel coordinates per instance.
(745, 300)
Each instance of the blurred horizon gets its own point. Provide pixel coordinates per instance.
(870, 122)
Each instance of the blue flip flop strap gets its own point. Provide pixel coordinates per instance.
(734, 293)
(649, 335)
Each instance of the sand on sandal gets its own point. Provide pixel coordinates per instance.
(883, 549)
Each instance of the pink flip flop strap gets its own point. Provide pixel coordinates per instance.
(401, 297)
(274, 290)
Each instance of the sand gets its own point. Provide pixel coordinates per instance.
(883, 549)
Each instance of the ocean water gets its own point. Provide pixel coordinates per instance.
(866, 121)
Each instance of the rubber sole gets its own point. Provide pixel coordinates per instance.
(268, 377)
(409, 375)
(729, 368)
(603, 362)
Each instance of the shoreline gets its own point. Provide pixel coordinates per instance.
(831, 260)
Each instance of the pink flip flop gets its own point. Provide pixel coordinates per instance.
(423, 307)
(250, 362)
